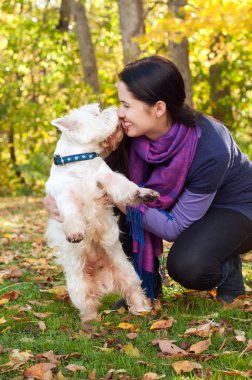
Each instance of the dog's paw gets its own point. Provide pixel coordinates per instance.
(143, 195)
(75, 237)
(139, 309)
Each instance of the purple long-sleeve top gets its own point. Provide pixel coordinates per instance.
(220, 176)
(189, 208)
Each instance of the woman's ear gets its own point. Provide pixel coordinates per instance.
(160, 108)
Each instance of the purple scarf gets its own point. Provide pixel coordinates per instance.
(170, 157)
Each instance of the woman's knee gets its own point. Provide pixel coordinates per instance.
(192, 272)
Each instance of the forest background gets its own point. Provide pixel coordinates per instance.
(56, 55)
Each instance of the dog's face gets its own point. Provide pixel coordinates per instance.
(88, 124)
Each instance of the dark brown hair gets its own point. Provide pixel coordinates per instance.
(152, 79)
(156, 78)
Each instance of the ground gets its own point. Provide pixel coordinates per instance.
(188, 335)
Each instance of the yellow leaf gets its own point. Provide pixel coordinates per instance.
(3, 301)
(132, 351)
(2, 321)
(125, 326)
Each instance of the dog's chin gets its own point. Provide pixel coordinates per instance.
(112, 142)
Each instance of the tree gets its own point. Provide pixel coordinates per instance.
(132, 26)
(65, 13)
(87, 53)
(179, 51)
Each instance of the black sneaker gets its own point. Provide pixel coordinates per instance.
(232, 285)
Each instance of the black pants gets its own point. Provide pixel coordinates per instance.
(195, 258)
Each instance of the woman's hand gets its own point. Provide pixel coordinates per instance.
(52, 209)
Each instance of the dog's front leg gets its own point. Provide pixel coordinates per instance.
(71, 210)
(123, 190)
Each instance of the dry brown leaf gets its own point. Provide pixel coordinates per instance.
(91, 376)
(201, 346)
(162, 324)
(236, 373)
(50, 356)
(150, 376)
(18, 358)
(75, 368)
(168, 347)
(132, 335)
(203, 330)
(185, 366)
(42, 325)
(13, 295)
(42, 315)
(240, 336)
(41, 371)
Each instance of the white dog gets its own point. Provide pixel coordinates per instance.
(88, 239)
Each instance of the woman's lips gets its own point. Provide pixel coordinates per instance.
(126, 125)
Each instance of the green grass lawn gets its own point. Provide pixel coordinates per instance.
(41, 336)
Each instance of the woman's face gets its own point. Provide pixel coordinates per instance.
(138, 118)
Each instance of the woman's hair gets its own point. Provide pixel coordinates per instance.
(152, 79)
(156, 78)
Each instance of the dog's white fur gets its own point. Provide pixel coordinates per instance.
(88, 239)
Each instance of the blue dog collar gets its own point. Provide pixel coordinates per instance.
(63, 160)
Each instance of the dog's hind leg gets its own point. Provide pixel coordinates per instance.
(127, 283)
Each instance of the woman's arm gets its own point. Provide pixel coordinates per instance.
(189, 208)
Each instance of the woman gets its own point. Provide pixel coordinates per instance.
(204, 181)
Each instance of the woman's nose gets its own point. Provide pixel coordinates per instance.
(120, 113)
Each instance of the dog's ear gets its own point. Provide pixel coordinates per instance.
(63, 123)
(93, 108)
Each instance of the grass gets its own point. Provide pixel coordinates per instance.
(27, 266)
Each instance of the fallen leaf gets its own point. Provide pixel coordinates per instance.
(42, 315)
(203, 330)
(240, 336)
(170, 348)
(130, 350)
(60, 376)
(91, 376)
(75, 368)
(162, 324)
(42, 325)
(3, 301)
(104, 349)
(13, 295)
(41, 371)
(126, 326)
(199, 347)
(185, 366)
(150, 376)
(2, 320)
(131, 335)
(49, 355)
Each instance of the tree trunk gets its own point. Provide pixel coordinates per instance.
(219, 94)
(13, 156)
(65, 12)
(87, 53)
(179, 52)
(131, 16)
